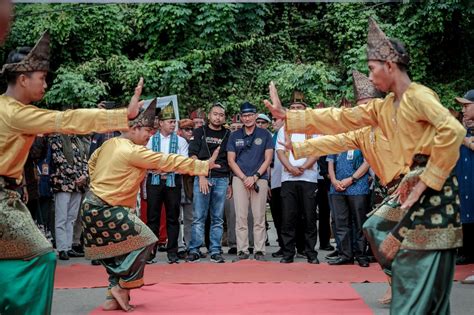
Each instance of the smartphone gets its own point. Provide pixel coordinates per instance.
(109, 104)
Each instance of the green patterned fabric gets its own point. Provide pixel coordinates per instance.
(111, 231)
(127, 270)
(417, 247)
(20, 238)
(434, 222)
(422, 281)
(27, 285)
(377, 227)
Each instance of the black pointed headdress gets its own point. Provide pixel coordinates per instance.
(36, 60)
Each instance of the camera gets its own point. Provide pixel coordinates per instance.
(256, 188)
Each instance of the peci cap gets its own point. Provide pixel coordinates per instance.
(247, 108)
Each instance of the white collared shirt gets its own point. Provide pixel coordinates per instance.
(309, 175)
(165, 144)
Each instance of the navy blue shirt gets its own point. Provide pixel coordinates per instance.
(343, 168)
(465, 175)
(250, 149)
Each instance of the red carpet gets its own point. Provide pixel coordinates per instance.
(246, 298)
(87, 276)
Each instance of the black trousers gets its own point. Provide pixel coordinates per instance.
(349, 216)
(276, 209)
(324, 211)
(157, 195)
(299, 205)
(467, 248)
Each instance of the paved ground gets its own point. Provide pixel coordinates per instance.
(82, 301)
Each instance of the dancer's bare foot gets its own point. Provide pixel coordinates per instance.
(121, 295)
(387, 298)
(110, 305)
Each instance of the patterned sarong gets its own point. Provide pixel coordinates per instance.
(111, 231)
(432, 223)
(20, 238)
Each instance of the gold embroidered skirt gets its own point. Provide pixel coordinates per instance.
(111, 231)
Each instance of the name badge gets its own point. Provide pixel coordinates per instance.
(239, 143)
(44, 169)
(350, 155)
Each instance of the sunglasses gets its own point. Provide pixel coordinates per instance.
(188, 129)
(260, 122)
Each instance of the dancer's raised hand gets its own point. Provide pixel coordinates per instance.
(135, 103)
(276, 109)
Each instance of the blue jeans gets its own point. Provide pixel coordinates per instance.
(212, 203)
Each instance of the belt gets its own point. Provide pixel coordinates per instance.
(95, 199)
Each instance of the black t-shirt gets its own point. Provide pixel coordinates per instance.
(205, 140)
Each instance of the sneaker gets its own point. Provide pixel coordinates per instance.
(63, 255)
(232, 251)
(251, 250)
(241, 256)
(259, 256)
(95, 262)
(202, 255)
(217, 258)
(173, 258)
(193, 257)
(151, 259)
(278, 254)
(333, 255)
(78, 248)
(73, 253)
(301, 255)
(327, 247)
(182, 254)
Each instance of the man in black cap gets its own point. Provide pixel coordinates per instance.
(465, 174)
(250, 152)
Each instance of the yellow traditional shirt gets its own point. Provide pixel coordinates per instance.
(371, 141)
(19, 123)
(118, 167)
(419, 125)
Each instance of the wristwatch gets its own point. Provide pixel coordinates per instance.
(257, 174)
(354, 180)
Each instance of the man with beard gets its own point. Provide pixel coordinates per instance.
(210, 191)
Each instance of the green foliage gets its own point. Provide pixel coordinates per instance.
(316, 81)
(71, 89)
(229, 52)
